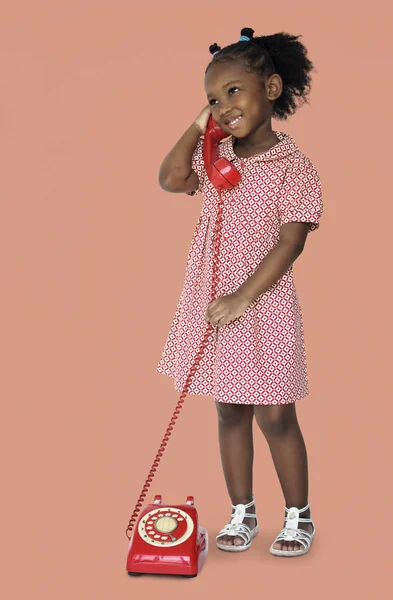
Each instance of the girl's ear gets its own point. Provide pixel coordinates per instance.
(274, 86)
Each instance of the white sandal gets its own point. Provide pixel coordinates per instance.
(291, 533)
(237, 528)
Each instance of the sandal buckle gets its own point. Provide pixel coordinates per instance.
(292, 520)
(238, 515)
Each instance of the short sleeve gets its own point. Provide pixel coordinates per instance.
(198, 166)
(301, 195)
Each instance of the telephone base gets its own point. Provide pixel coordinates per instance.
(182, 575)
(168, 541)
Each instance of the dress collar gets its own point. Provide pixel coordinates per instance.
(283, 148)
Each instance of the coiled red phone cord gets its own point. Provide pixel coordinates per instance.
(192, 371)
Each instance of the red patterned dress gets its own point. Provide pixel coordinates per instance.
(259, 358)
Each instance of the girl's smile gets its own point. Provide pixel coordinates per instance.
(234, 124)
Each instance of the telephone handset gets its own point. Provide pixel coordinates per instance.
(221, 172)
(168, 539)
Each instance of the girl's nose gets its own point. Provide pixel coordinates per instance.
(224, 113)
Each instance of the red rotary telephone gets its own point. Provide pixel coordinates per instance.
(168, 538)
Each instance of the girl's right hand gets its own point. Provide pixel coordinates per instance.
(202, 119)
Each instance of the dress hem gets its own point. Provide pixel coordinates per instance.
(265, 403)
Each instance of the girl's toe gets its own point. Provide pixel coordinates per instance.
(296, 546)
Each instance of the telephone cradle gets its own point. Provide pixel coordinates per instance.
(168, 540)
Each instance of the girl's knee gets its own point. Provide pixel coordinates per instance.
(234, 414)
(275, 420)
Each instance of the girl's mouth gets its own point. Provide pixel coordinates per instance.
(234, 124)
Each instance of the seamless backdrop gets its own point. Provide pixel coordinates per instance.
(93, 253)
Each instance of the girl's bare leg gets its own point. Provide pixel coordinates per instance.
(237, 453)
(281, 429)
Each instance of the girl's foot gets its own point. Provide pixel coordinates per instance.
(293, 546)
(229, 540)
(238, 534)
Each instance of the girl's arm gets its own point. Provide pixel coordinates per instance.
(176, 173)
(277, 262)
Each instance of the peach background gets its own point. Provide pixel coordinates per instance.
(93, 254)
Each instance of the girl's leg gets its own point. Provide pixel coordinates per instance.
(237, 453)
(281, 429)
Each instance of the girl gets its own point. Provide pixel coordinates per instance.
(255, 364)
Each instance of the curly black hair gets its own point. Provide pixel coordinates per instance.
(280, 53)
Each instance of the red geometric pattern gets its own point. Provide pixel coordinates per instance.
(259, 358)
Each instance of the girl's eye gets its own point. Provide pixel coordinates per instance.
(211, 102)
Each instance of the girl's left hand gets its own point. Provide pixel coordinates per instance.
(226, 308)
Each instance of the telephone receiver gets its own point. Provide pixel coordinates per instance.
(221, 172)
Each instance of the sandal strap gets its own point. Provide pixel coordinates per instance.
(301, 520)
(292, 520)
(239, 529)
(299, 509)
(294, 535)
(240, 512)
(246, 505)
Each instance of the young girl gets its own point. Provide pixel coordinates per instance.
(255, 363)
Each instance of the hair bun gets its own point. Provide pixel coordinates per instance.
(248, 32)
(214, 48)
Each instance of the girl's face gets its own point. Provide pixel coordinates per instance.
(234, 93)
